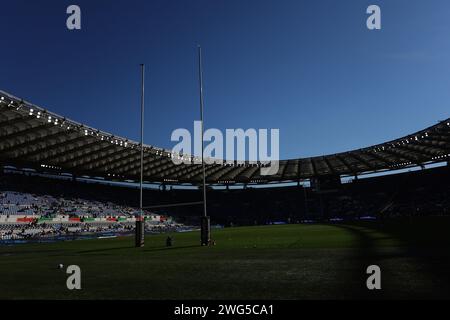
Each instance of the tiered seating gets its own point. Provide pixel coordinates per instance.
(25, 204)
(26, 215)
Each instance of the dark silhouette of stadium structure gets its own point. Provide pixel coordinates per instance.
(408, 194)
(35, 141)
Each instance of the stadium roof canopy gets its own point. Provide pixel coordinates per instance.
(32, 137)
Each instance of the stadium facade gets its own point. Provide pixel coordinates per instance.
(33, 137)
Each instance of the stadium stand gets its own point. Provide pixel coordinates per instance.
(423, 192)
(45, 158)
(33, 137)
(28, 215)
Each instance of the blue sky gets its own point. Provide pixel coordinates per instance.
(310, 68)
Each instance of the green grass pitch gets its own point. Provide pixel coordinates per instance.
(261, 262)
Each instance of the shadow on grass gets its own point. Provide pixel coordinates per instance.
(162, 248)
(423, 245)
(106, 249)
(364, 256)
(171, 248)
(21, 252)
